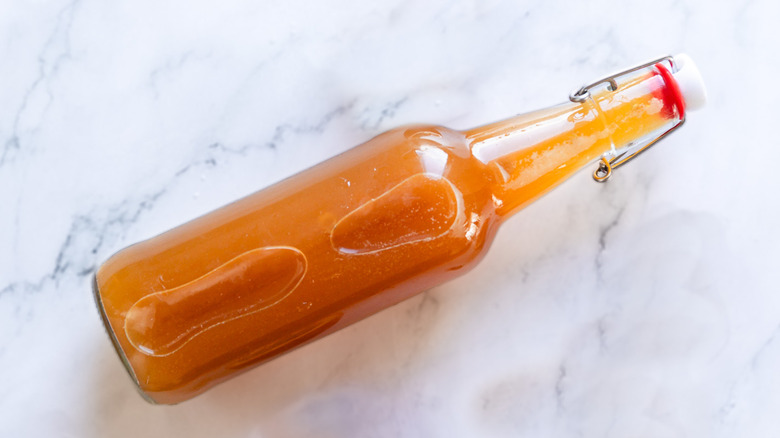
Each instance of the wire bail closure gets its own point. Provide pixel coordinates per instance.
(614, 159)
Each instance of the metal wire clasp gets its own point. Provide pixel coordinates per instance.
(614, 159)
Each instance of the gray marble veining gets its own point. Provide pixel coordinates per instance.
(647, 306)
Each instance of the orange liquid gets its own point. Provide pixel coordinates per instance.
(409, 209)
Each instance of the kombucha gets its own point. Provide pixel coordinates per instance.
(408, 210)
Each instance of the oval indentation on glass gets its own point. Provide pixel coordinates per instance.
(161, 323)
(422, 207)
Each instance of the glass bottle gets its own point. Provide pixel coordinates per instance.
(408, 210)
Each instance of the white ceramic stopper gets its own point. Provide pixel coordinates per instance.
(690, 82)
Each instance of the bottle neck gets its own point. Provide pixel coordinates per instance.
(531, 153)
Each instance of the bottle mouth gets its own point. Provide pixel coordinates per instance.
(682, 90)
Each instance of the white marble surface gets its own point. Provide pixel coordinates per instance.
(646, 307)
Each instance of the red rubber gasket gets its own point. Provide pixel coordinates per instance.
(672, 89)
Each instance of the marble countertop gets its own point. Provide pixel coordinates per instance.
(645, 307)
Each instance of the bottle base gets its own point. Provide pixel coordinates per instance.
(115, 342)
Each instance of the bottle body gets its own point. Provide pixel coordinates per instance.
(410, 209)
(311, 254)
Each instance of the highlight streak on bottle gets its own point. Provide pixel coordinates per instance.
(161, 323)
(420, 208)
(287, 341)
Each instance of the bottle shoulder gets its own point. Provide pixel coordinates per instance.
(445, 154)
